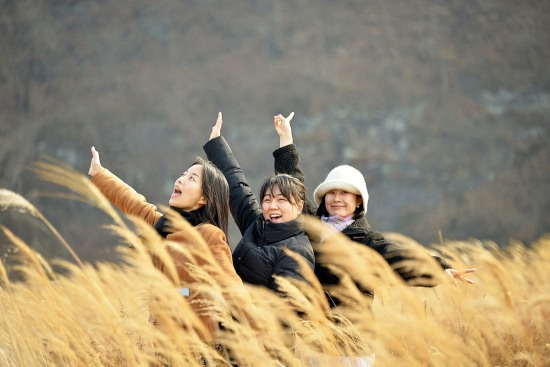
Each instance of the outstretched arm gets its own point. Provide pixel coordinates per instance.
(453, 273)
(121, 194)
(242, 202)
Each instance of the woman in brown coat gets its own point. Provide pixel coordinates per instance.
(200, 195)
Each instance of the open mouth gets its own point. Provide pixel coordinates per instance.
(177, 191)
(275, 217)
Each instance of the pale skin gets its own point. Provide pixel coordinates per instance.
(95, 164)
(282, 126)
(459, 275)
(342, 203)
(275, 206)
(284, 130)
(187, 194)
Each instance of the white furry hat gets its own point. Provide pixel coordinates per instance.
(344, 178)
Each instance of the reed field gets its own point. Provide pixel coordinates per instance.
(100, 315)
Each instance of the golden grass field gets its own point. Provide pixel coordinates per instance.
(99, 315)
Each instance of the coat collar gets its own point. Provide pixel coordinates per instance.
(268, 232)
(193, 217)
(360, 224)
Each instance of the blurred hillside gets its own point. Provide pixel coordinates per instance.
(443, 105)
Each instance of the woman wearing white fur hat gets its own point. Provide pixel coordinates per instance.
(341, 203)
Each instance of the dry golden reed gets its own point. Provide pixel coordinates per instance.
(100, 315)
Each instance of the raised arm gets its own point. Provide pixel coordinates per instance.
(242, 202)
(121, 194)
(287, 159)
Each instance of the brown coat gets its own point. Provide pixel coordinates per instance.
(130, 202)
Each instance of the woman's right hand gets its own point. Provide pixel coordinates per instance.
(282, 126)
(217, 128)
(95, 164)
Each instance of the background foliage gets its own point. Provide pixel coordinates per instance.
(443, 105)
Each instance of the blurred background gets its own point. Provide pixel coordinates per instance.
(442, 104)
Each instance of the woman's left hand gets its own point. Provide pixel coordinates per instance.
(458, 275)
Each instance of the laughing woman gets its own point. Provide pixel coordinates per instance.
(200, 196)
(267, 227)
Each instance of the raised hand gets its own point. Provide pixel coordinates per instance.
(95, 164)
(458, 275)
(282, 126)
(217, 128)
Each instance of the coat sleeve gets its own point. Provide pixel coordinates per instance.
(217, 243)
(125, 197)
(242, 202)
(287, 160)
(395, 254)
(286, 266)
(442, 262)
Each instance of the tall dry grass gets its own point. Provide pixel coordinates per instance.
(99, 315)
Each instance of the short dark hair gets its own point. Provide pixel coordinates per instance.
(291, 188)
(216, 192)
(322, 210)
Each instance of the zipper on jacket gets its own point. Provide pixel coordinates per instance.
(240, 258)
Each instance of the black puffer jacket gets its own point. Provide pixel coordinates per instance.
(287, 161)
(259, 255)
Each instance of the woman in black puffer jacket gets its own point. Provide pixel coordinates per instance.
(267, 228)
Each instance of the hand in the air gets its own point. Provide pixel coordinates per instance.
(282, 126)
(95, 164)
(217, 128)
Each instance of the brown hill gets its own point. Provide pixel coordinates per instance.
(443, 105)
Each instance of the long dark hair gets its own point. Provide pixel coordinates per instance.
(216, 192)
(322, 210)
(291, 188)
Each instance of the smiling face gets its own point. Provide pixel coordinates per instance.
(277, 208)
(188, 193)
(341, 203)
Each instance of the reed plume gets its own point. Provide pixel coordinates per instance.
(99, 315)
